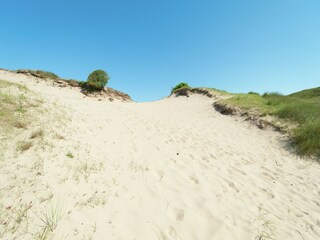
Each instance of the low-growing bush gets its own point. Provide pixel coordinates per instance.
(98, 79)
(179, 86)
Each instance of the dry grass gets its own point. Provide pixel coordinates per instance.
(23, 146)
(15, 106)
(37, 134)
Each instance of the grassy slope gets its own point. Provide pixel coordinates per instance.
(302, 108)
(17, 105)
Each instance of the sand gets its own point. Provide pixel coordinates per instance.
(169, 169)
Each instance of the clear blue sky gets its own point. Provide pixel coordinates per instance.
(148, 46)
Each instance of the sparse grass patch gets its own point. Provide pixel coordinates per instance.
(14, 218)
(14, 104)
(37, 134)
(45, 74)
(266, 229)
(302, 109)
(23, 146)
(19, 124)
(219, 91)
(58, 136)
(84, 169)
(75, 83)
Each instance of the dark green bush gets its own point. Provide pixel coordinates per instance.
(98, 79)
(180, 85)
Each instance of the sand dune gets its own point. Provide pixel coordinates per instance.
(170, 169)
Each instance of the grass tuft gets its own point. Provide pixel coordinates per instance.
(69, 155)
(37, 134)
(23, 146)
(50, 220)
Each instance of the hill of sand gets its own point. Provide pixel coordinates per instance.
(170, 169)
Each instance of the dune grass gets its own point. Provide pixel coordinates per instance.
(45, 74)
(302, 108)
(12, 106)
(17, 108)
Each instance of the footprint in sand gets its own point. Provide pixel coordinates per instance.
(268, 192)
(172, 233)
(176, 214)
(232, 186)
(194, 179)
(158, 175)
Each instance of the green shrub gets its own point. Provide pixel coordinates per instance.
(98, 79)
(180, 85)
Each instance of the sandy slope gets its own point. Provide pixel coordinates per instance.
(171, 169)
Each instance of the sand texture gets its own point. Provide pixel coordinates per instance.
(169, 169)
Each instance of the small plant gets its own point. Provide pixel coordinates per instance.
(50, 220)
(267, 228)
(69, 155)
(179, 86)
(98, 79)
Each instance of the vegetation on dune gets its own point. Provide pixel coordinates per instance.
(302, 108)
(45, 74)
(179, 86)
(13, 106)
(222, 92)
(16, 114)
(253, 93)
(98, 79)
(308, 93)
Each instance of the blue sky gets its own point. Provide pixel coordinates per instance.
(148, 46)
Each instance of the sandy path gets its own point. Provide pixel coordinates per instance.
(174, 169)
